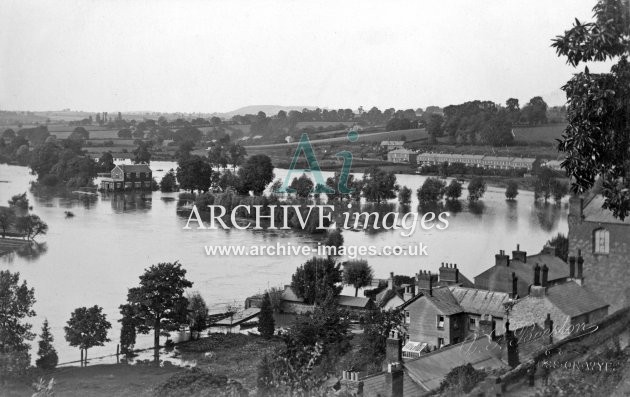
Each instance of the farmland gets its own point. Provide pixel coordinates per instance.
(540, 134)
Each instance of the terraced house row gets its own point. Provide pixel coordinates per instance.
(476, 160)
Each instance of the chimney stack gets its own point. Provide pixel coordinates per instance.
(545, 275)
(390, 281)
(449, 273)
(501, 259)
(426, 280)
(572, 267)
(393, 353)
(410, 292)
(580, 266)
(514, 286)
(549, 327)
(512, 346)
(394, 380)
(537, 274)
(519, 255)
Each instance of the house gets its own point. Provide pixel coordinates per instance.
(600, 243)
(515, 275)
(391, 145)
(485, 310)
(570, 306)
(292, 303)
(554, 165)
(477, 160)
(128, 177)
(390, 297)
(403, 377)
(355, 304)
(402, 156)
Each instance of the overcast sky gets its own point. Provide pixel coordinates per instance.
(207, 56)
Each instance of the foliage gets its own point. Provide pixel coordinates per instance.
(169, 182)
(461, 380)
(454, 190)
(200, 382)
(358, 274)
(355, 185)
(255, 174)
(512, 190)
(43, 388)
(87, 327)
(404, 195)
(142, 155)
(435, 126)
(561, 243)
(303, 186)
(431, 191)
(597, 137)
(334, 238)
(48, 358)
(197, 312)
(31, 225)
(559, 189)
(194, 173)
(376, 327)
(476, 188)
(312, 280)
(16, 302)
(7, 219)
(266, 325)
(379, 185)
(128, 326)
(19, 201)
(158, 301)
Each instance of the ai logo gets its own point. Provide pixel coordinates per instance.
(320, 185)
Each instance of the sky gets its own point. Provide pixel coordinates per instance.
(216, 56)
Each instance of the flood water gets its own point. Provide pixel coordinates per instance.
(93, 257)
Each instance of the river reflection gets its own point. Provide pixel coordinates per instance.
(94, 256)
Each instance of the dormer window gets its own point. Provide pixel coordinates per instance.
(601, 241)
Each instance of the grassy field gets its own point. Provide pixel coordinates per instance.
(545, 133)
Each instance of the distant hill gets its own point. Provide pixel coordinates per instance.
(270, 110)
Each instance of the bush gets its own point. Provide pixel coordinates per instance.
(512, 190)
(404, 195)
(204, 200)
(476, 188)
(49, 180)
(186, 196)
(461, 380)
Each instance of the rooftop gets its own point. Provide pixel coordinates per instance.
(573, 299)
(135, 167)
(480, 301)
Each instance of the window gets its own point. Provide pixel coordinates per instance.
(133, 175)
(138, 185)
(440, 343)
(472, 323)
(142, 175)
(601, 241)
(440, 321)
(407, 317)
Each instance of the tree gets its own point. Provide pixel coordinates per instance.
(266, 324)
(303, 186)
(87, 328)
(125, 133)
(19, 201)
(334, 239)
(236, 154)
(169, 182)
(106, 162)
(158, 301)
(404, 195)
(128, 326)
(312, 280)
(16, 305)
(256, 174)
(142, 155)
(561, 243)
(431, 191)
(197, 312)
(48, 358)
(379, 185)
(476, 188)
(559, 189)
(434, 126)
(596, 139)
(454, 190)
(511, 191)
(535, 111)
(31, 226)
(80, 133)
(376, 328)
(358, 274)
(7, 219)
(194, 173)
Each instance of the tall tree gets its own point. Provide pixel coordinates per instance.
(87, 328)
(197, 313)
(194, 173)
(379, 185)
(512, 190)
(431, 191)
(16, 306)
(454, 190)
(266, 323)
(31, 226)
(312, 280)
(256, 174)
(476, 188)
(158, 301)
(7, 219)
(596, 140)
(358, 274)
(142, 155)
(48, 358)
(303, 186)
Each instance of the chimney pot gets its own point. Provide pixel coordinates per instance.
(572, 267)
(545, 275)
(537, 274)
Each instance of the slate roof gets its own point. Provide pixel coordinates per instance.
(499, 277)
(478, 301)
(442, 298)
(375, 385)
(430, 369)
(573, 299)
(239, 317)
(353, 301)
(134, 167)
(384, 296)
(593, 212)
